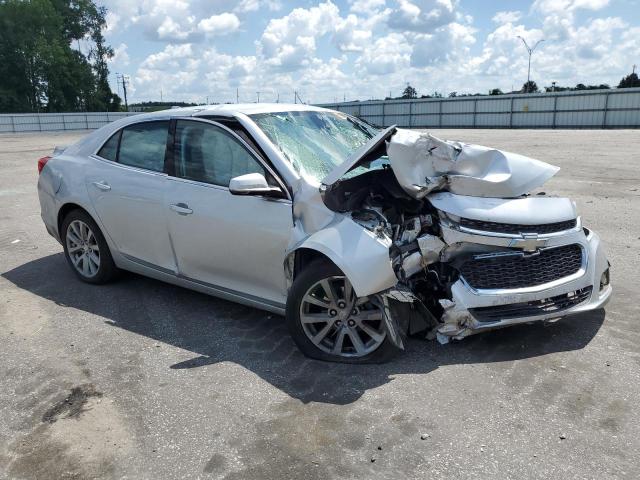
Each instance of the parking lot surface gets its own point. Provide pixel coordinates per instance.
(143, 380)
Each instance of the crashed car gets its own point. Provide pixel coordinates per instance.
(360, 237)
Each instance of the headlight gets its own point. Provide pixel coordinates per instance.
(604, 279)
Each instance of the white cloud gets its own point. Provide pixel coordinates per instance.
(445, 44)
(222, 24)
(351, 35)
(289, 43)
(366, 7)
(422, 15)
(362, 49)
(507, 17)
(255, 5)
(386, 55)
(590, 53)
(567, 6)
(120, 56)
(112, 20)
(169, 29)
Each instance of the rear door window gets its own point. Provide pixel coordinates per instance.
(143, 145)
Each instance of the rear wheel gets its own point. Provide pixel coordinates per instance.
(86, 249)
(329, 322)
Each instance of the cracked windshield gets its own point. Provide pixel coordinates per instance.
(316, 142)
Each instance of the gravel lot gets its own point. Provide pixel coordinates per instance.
(144, 380)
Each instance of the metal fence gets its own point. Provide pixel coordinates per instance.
(45, 122)
(615, 108)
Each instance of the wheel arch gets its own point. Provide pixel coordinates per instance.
(362, 257)
(65, 210)
(299, 259)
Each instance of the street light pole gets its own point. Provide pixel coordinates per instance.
(530, 51)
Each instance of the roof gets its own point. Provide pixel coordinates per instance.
(232, 109)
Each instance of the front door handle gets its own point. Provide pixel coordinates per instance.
(105, 187)
(181, 208)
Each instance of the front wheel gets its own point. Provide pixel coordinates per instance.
(329, 322)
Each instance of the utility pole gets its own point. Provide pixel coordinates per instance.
(237, 96)
(530, 51)
(258, 94)
(124, 79)
(634, 69)
(295, 97)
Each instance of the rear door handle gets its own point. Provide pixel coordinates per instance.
(105, 187)
(181, 208)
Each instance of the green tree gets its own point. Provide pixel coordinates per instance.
(529, 87)
(409, 92)
(495, 91)
(629, 81)
(39, 70)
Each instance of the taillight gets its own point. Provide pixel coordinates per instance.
(42, 162)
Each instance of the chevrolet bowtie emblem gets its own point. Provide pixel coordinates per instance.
(529, 242)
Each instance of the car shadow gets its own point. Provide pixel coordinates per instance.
(220, 331)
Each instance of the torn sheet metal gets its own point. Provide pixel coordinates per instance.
(423, 163)
(429, 248)
(359, 156)
(362, 255)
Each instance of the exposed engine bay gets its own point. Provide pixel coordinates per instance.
(376, 201)
(470, 247)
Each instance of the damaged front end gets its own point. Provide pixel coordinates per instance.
(469, 247)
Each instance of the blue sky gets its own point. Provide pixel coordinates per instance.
(194, 50)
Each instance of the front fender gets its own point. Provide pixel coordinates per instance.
(361, 255)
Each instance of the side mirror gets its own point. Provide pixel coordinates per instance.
(253, 184)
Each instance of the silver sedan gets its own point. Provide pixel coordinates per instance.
(359, 236)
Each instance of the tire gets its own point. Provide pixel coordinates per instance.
(86, 250)
(309, 301)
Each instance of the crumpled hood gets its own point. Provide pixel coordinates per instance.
(423, 163)
(533, 210)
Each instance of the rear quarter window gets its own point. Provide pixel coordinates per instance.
(110, 149)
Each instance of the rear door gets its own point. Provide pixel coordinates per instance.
(236, 243)
(126, 183)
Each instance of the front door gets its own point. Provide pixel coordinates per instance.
(224, 240)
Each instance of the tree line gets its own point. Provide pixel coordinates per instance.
(42, 67)
(628, 81)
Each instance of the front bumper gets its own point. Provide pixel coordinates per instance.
(460, 321)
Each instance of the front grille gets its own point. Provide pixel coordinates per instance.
(533, 308)
(516, 229)
(522, 270)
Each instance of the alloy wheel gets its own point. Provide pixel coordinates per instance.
(338, 322)
(83, 249)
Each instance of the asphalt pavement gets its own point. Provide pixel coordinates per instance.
(143, 380)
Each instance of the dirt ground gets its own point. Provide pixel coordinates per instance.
(144, 380)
